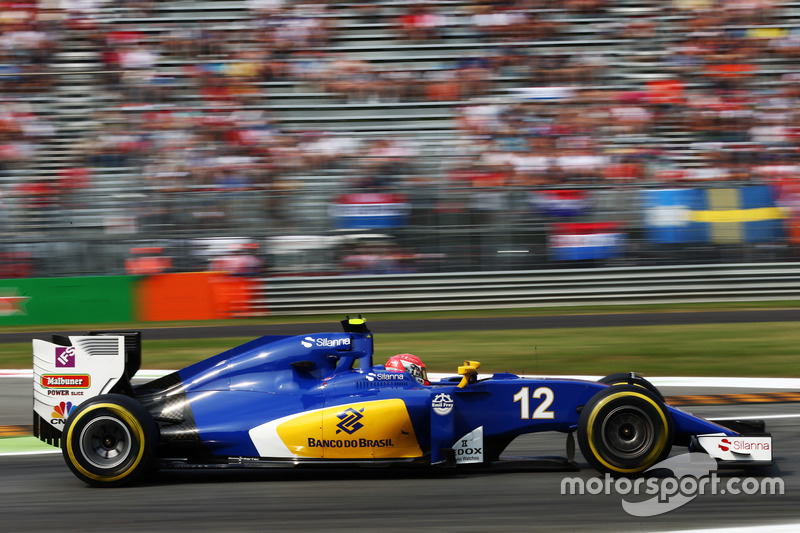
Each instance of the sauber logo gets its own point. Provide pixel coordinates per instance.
(65, 381)
(350, 421)
(65, 357)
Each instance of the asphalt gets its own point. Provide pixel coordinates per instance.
(38, 492)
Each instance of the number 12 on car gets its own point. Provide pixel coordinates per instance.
(541, 412)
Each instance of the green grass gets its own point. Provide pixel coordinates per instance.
(374, 317)
(767, 349)
(763, 349)
(24, 444)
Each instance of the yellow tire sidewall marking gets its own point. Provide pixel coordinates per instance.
(656, 451)
(132, 422)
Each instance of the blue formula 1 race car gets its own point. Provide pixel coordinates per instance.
(319, 399)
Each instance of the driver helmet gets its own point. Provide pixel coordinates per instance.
(406, 362)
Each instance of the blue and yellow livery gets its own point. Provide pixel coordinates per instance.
(320, 399)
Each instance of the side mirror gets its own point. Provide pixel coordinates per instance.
(469, 369)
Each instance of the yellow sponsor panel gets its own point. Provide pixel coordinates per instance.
(366, 430)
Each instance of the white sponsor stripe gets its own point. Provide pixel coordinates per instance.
(667, 381)
(266, 439)
(28, 373)
(673, 381)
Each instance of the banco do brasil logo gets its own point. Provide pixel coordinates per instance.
(350, 421)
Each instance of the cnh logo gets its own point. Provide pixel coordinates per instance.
(61, 411)
(350, 421)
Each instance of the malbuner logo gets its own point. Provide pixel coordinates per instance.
(65, 381)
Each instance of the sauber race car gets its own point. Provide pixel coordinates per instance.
(318, 399)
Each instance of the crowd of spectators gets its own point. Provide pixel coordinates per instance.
(191, 104)
(721, 108)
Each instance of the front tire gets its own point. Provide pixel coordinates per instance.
(109, 441)
(625, 378)
(624, 430)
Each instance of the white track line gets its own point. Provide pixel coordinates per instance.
(705, 382)
(777, 528)
(754, 417)
(42, 452)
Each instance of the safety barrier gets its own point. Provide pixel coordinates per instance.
(533, 288)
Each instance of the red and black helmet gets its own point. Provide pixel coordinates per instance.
(406, 362)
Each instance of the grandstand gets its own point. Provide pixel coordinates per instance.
(152, 123)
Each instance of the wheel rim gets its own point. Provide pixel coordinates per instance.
(628, 432)
(105, 442)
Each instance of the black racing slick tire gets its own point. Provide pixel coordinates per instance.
(624, 378)
(109, 441)
(624, 430)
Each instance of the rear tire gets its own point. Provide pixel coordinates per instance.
(109, 441)
(624, 430)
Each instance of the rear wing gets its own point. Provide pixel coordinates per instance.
(69, 370)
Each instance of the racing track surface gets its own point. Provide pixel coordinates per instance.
(39, 493)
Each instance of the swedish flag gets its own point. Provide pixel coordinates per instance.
(720, 216)
(746, 214)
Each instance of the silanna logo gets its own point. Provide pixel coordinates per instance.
(61, 411)
(310, 342)
(741, 446)
(350, 421)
